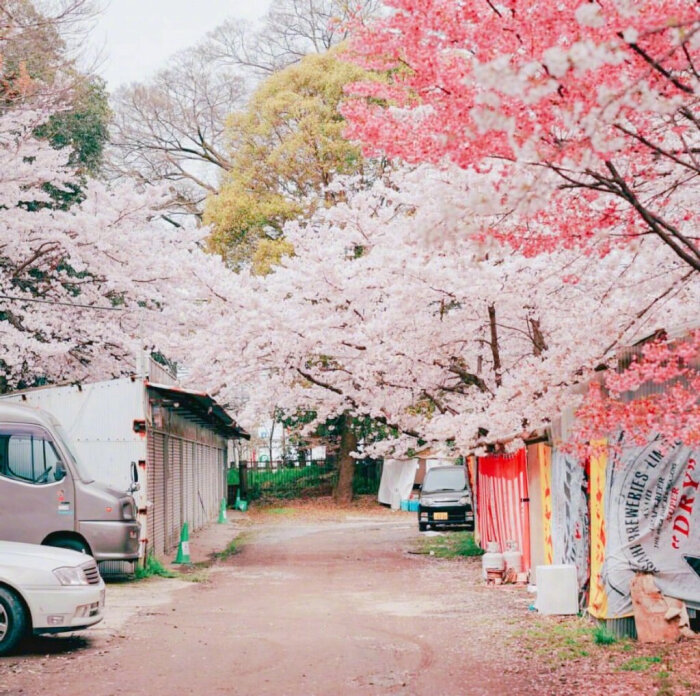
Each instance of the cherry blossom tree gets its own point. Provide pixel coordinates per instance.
(657, 392)
(579, 122)
(377, 314)
(583, 116)
(79, 286)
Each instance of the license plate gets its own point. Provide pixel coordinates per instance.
(439, 515)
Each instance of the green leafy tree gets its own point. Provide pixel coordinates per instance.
(286, 148)
(36, 59)
(84, 128)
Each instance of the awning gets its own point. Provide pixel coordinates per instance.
(200, 408)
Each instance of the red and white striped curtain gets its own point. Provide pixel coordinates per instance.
(502, 501)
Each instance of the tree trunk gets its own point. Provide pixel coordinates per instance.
(539, 345)
(495, 352)
(346, 464)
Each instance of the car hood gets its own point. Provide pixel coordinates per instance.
(17, 554)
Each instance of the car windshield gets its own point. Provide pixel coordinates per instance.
(451, 479)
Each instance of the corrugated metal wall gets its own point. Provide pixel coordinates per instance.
(156, 493)
(186, 465)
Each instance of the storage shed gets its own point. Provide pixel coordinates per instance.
(178, 437)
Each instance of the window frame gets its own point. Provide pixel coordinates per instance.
(33, 431)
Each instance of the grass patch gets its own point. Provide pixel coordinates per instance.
(153, 568)
(280, 511)
(601, 636)
(639, 663)
(558, 642)
(195, 574)
(452, 545)
(232, 548)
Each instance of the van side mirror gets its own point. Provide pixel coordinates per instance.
(60, 473)
(134, 478)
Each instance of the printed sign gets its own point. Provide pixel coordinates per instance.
(653, 523)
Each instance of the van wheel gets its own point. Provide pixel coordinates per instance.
(422, 526)
(13, 620)
(72, 544)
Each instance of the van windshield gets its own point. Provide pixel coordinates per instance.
(444, 480)
(83, 473)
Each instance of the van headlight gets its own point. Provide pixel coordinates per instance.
(71, 576)
(465, 500)
(128, 512)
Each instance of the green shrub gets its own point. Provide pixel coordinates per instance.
(289, 483)
(466, 546)
(151, 567)
(601, 636)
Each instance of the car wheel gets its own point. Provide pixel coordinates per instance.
(72, 544)
(422, 526)
(13, 620)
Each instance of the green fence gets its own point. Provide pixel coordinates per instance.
(309, 481)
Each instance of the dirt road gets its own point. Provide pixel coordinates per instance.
(308, 608)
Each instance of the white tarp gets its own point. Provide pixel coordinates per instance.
(398, 476)
(652, 518)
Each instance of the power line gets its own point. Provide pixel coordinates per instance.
(62, 304)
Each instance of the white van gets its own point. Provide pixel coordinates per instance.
(47, 497)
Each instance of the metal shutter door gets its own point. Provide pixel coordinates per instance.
(156, 490)
(168, 495)
(211, 484)
(197, 489)
(188, 483)
(175, 461)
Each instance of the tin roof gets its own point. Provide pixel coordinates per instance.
(203, 409)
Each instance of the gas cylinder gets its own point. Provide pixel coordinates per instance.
(492, 559)
(512, 557)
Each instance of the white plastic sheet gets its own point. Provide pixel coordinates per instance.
(398, 476)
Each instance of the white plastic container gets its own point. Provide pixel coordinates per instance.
(492, 559)
(557, 590)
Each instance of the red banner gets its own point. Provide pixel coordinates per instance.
(503, 503)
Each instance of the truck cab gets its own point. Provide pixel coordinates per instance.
(48, 497)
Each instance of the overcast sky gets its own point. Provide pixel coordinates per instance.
(135, 37)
